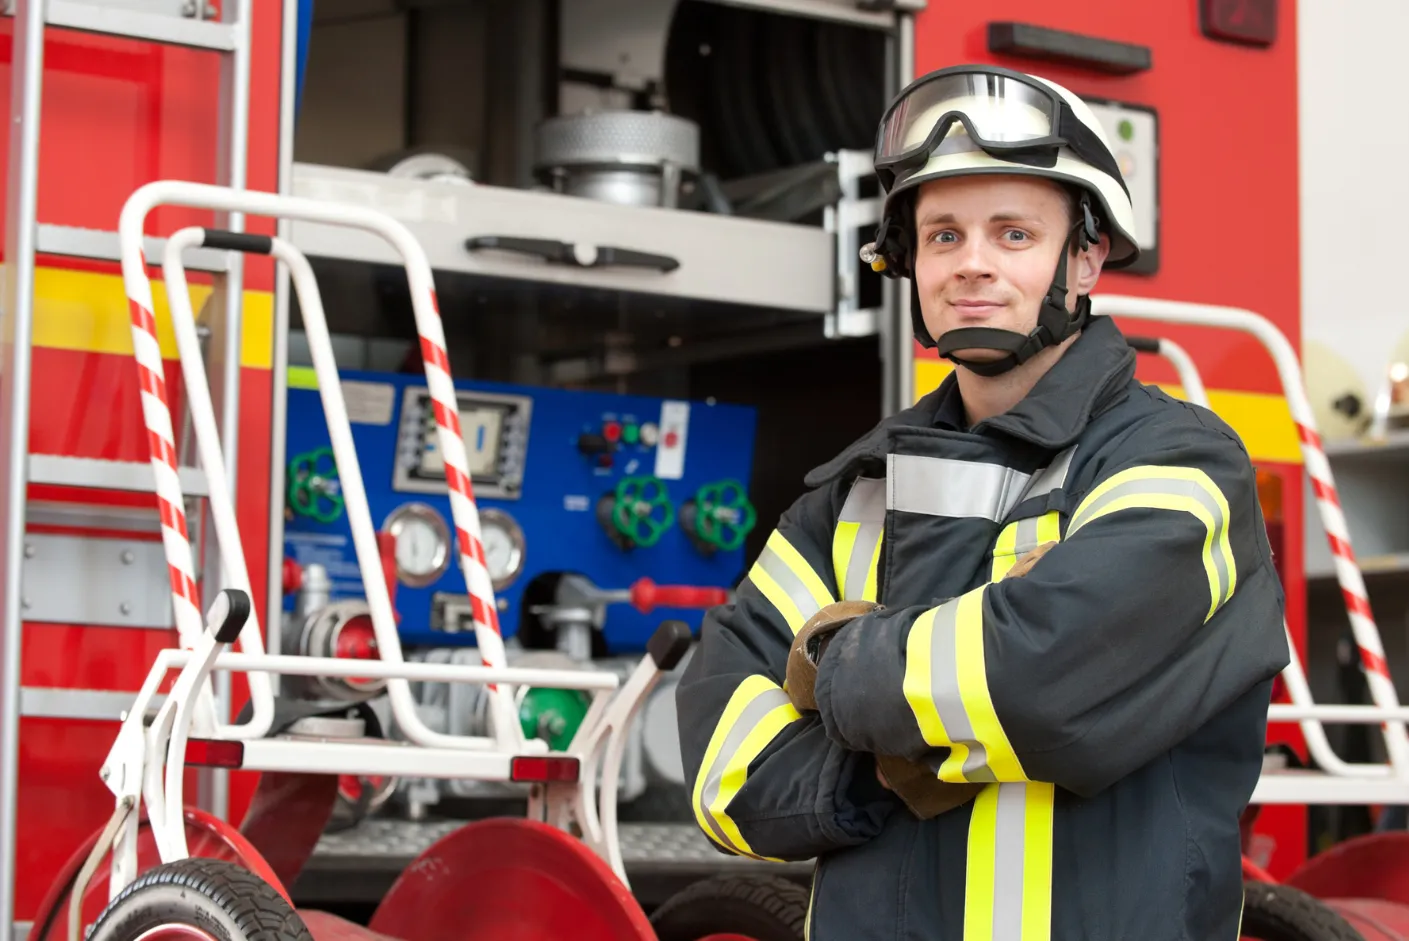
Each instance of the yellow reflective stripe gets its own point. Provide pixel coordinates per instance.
(843, 542)
(1179, 489)
(973, 686)
(753, 717)
(1049, 528)
(1005, 551)
(978, 875)
(1038, 826)
(1008, 878)
(788, 582)
(946, 685)
(868, 590)
(918, 682)
(1019, 538)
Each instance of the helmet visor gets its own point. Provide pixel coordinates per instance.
(964, 110)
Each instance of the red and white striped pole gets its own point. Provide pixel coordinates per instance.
(463, 511)
(438, 376)
(161, 449)
(1352, 584)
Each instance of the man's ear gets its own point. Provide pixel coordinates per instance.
(1089, 264)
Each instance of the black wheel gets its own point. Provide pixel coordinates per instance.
(1281, 913)
(765, 908)
(193, 899)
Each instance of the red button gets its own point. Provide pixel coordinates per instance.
(611, 431)
(671, 439)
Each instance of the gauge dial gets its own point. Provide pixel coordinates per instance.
(422, 544)
(503, 547)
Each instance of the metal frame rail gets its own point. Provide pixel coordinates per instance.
(24, 237)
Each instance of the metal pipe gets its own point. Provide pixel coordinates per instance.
(1362, 623)
(297, 665)
(279, 377)
(16, 327)
(904, 335)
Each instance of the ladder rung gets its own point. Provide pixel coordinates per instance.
(135, 24)
(40, 702)
(95, 474)
(75, 242)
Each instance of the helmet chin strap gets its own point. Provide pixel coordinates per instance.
(1055, 324)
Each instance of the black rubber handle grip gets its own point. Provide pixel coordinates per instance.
(238, 242)
(235, 617)
(669, 644)
(566, 253)
(1143, 344)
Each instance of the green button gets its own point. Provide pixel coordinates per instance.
(630, 433)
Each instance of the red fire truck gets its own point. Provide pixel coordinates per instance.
(108, 97)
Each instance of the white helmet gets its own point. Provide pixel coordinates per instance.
(978, 119)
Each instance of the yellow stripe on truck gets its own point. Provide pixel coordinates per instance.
(86, 311)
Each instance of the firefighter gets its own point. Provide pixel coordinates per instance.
(1003, 669)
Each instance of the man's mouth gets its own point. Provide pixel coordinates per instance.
(975, 308)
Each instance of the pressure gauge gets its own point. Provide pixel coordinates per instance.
(503, 547)
(422, 544)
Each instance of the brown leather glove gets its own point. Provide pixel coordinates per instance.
(924, 794)
(809, 645)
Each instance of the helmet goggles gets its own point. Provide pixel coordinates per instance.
(1005, 113)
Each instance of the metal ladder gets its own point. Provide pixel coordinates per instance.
(187, 23)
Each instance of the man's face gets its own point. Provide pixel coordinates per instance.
(987, 251)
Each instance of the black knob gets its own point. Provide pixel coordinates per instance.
(589, 443)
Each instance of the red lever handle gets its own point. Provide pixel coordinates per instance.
(386, 546)
(646, 594)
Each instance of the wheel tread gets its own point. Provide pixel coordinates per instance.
(1292, 915)
(783, 900)
(259, 912)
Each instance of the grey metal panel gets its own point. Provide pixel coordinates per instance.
(55, 703)
(77, 242)
(721, 259)
(80, 580)
(98, 474)
(115, 20)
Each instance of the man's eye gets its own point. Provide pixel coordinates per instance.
(1015, 235)
(944, 236)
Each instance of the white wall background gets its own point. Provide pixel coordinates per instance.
(1354, 128)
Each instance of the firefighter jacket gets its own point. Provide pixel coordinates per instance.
(1114, 700)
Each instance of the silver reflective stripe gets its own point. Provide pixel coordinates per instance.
(749, 718)
(866, 506)
(858, 567)
(1026, 537)
(866, 503)
(948, 701)
(778, 569)
(1176, 487)
(937, 486)
(1008, 840)
(1052, 477)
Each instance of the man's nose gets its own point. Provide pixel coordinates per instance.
(975, 260)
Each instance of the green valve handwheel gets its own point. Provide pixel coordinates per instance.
(642, 511)
(313, 486)
(553, 715)
(724, 514)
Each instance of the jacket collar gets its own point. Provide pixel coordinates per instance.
(1090, 377)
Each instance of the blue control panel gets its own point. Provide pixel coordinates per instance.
(610, 487)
